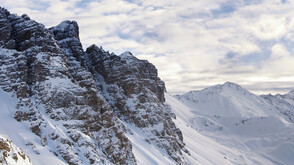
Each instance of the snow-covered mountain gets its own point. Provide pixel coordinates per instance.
(62, 105)
(80, 107)
(228, 124)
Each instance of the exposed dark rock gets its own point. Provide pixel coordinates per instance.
(45, 75)
(9, 153)
(136, 95)
(88, 94)
(66, 34)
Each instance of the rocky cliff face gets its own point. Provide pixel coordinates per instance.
(52, 88)
(75, 100)
(136, 95)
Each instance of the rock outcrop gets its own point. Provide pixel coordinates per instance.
(75, 100)
(11, 154)
(49, 83)
(136, 95)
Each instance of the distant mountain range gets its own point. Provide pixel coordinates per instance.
(236, 126)
(61, 104)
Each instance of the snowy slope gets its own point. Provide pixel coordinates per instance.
(146, 153)
(64, 105)
(11, 154)
(226, 124)
(22, 136)
(229, 99)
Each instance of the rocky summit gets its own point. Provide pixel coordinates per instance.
(82, 106)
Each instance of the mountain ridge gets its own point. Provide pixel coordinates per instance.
(66, 105)
(246, 128)
(80, 104)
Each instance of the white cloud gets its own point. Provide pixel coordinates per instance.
(193, 43)
(281, 63)
(270, 27)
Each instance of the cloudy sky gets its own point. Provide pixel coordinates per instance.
(193, 43)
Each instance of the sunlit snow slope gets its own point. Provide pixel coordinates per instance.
(21, 136)
(226, 124)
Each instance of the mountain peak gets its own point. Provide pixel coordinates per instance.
(25, 17)
(227, 86)
(231, 84)
(66, 29)
(2, 9)
(228, 99)
(128, 57)
(290, 93)
(98, 51)
(126, 53)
